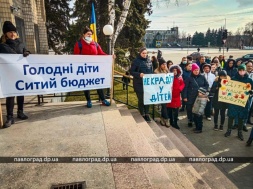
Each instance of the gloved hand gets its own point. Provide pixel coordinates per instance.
(25, 53)
(250, 92)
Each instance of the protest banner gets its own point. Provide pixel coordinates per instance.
(234, 92)
(157, 88)
(45, 74)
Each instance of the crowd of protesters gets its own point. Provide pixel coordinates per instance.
(195, 89)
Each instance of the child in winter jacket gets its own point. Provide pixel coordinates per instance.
(175, 104)
(200, 102)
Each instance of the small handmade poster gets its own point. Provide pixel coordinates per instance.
(234, 92)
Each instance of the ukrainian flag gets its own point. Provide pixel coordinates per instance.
(93, 23)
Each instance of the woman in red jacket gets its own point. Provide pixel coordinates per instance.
(178, 86)
(86, 46)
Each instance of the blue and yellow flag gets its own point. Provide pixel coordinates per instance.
(93, 23)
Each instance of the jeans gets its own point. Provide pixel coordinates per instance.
(222, 116)
(164, 111)
(10, 104)
(144, 109)
(189, 112)
(198, 120)
(100, 94)
(208, 107)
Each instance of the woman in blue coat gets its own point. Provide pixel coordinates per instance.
(239, 111)
(141, 66)
(190, 93)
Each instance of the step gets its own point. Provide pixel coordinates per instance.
(193, 175)
(56, 130)
(208, 171)
(178, 175)
(126, 175)
(155, 171)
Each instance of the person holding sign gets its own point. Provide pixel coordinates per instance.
(219, 107)
(190, 93)
(178, 86)
(86, 46)
(11, 44)
(236, 110)
(164, 113)
(140, 66)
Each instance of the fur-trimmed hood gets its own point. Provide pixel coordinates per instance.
(179, 70)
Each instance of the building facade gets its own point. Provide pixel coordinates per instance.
(161, 38)
(29, 17)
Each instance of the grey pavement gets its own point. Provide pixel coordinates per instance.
(70, 129)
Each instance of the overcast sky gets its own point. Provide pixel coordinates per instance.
(198, 15)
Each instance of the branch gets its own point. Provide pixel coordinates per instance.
(121, 22)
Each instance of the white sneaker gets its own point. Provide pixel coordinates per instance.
(209, 119)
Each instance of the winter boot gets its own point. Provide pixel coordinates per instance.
(216, 127)
(167, 123)
(240, 136)
(221, 127)
(21, 115)
(228, 133)
(244, 128)
(249, 142)
(162, 121)
(9, 122)
(148, 119)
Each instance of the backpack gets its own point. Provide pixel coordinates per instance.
(81, 46)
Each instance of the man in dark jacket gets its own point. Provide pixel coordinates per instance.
(183, 63)
(140, 66)
(190, 93)
(201, 62)
(239, 112)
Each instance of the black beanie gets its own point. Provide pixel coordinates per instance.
(222, 73)
(8, 26)
(161, 61)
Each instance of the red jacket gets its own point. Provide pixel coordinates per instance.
(178, 86)
(88, 49)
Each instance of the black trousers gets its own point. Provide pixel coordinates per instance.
(10, 104)
(100, 94)
(189, 112)
(173, 115)
(222, 116)
(144, 109)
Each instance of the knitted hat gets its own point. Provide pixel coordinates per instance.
(194, 66)
(161, 61)
(222, 73)
(8, 26)
(242, 67)
(142, 49)
(202, 91)
(206, 65)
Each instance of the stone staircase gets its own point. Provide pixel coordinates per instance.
(70, 129)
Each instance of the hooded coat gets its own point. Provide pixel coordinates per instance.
(140, 65)
(178, 86)
(239, 111)
(231, 71)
